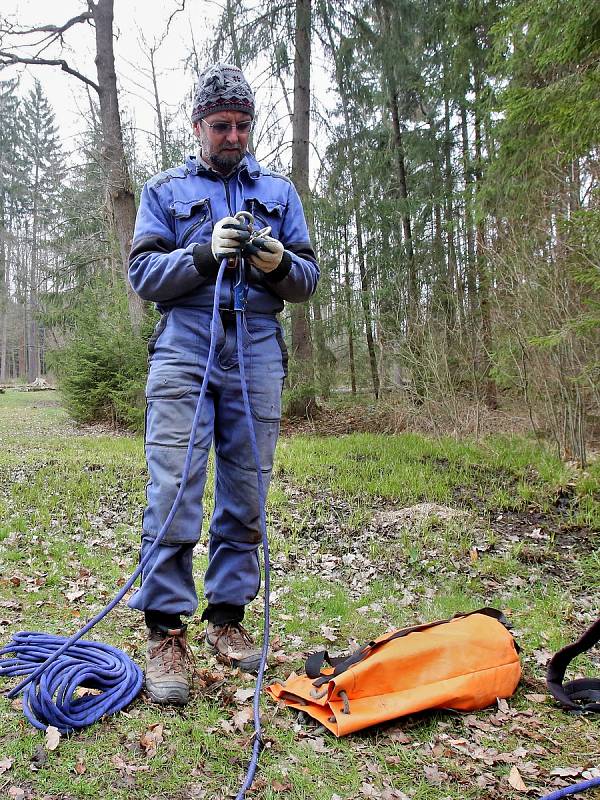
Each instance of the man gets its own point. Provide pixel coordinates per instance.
(185, 226)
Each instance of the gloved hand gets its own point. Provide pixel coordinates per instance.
(264, 253)
(229, 234)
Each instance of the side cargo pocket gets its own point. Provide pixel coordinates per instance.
(159, 328)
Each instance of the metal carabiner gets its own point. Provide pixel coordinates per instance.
(240, 287)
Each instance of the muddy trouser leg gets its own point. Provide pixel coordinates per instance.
(232, 579)
(172, 391)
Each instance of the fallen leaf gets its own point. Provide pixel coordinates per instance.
(242, 717)
(151, 739)
(565, 772)
(72, 596)
(16, 793)
(369, 790)
(243, 695)
(516, 781)
(590, 774)
(52, 737)
(434, 776)
(328, 633)
(5, 764)
(80, 767)
(125, 768)
(84, 691)
(536, 698)
(502, 705)
(277, 786)
(399, 736)
(118, 762)
(317, 743)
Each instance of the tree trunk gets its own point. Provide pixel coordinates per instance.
(365, 294)
(120, 191)
(348, 300)
(490, 390)
(468, 179)
(302, 348)
(454, 284)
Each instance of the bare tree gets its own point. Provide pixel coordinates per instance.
(119, 188)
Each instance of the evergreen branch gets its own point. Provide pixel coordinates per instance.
(9, 59)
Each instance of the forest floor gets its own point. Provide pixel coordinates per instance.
(368, 533)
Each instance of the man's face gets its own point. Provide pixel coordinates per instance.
(222, 150)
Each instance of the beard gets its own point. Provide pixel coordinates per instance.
(226, 160)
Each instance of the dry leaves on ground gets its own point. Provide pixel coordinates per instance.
(52, 737)
(151, 739)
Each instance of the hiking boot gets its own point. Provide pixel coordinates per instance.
(167, 680)
(234, 646)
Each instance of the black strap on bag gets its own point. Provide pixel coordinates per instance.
(582, 694)
(314, 663)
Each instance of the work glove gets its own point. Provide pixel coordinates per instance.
(228, 236)
(264, 253)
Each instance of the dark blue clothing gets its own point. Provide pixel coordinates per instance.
(171, 261)
(172, 264)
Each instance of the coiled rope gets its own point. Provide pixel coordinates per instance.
(52, 698)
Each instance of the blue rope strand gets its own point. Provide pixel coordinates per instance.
(257, 744)
(577, 787)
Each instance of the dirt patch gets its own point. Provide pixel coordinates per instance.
(416, 516)
(396, 413)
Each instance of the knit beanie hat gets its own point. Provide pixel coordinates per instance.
(222, 87)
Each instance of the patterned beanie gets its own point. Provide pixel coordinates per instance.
(222, 87)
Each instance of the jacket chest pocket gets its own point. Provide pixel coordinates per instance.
(266, 212)
(193, 221)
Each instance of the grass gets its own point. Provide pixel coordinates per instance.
(70, 505)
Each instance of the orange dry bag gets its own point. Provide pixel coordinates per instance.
(464, 663)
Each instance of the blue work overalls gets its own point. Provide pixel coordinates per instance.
(172, 265)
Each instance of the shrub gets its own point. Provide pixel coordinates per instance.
(102, 366)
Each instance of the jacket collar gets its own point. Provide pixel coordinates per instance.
(248, 164)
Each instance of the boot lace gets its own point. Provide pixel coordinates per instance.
(235, 634)
(173, 650)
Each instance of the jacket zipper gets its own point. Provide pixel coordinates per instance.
(191, 231)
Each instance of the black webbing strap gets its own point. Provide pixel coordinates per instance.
(314, 663)
(582, 694)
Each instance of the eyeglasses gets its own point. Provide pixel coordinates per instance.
(226, 127)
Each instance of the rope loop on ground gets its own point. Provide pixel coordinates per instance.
(52, 697)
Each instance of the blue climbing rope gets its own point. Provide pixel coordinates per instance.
(567, 790)
(57, 666)
(53, 663)
(52, 699)
(257, 744)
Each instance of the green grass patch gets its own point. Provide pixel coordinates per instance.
(70, 509)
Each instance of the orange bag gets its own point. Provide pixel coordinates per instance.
(464, 663)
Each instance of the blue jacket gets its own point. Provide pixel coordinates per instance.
(171, 261)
